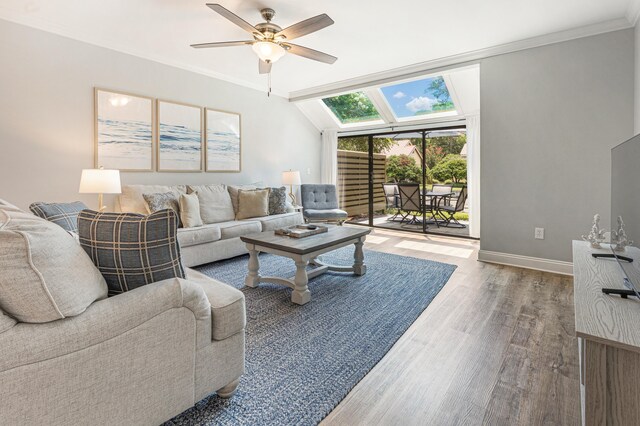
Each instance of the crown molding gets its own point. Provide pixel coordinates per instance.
(453, 61)
(52, 28)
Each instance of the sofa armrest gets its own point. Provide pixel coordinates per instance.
(103, 320)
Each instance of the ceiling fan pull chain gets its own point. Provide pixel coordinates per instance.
(269, 83)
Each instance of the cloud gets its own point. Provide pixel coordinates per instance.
(399, 95)
(421, 103)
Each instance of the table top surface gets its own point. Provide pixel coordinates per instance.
(334, 236)
(607, 319)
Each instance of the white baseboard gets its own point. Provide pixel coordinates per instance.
(546, 265)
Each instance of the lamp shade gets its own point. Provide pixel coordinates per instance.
(100, 181)
(291, 177)
(268, 50)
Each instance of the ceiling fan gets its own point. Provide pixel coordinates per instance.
(271, 42)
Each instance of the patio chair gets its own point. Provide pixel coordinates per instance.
(448, 219)
(410, 201)
(320, 204)
(392, 200)
(432, 202)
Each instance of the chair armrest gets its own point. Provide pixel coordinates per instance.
(103, 320)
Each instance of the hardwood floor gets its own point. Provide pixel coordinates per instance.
(495, 347)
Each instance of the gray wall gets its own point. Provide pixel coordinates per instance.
(46, 117)
(637, 79)
(549, 118)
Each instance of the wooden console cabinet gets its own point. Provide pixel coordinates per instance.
(608, 331)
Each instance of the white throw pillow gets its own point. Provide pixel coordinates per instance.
(215, 203)
(44, 274)
(190, 210)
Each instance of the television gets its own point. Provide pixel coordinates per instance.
(625, 203)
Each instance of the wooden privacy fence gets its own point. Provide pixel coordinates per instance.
(353, 181)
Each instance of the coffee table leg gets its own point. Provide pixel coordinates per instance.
(253, 278)
(301, 293)
(359, 268)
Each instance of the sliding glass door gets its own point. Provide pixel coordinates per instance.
(393, 180)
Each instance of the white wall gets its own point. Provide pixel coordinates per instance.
(549, 118)
(46, 117)
(637, 79)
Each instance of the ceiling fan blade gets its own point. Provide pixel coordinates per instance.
(305, 27)
(235, 19)
(305, 52)
(264, 67)
(221, 44)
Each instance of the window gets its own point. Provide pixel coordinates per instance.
(415, 99)
(352, 108)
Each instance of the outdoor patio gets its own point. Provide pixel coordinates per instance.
(383, 221)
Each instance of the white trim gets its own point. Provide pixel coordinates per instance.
(545, 265)
(402, 127)
(441, 64)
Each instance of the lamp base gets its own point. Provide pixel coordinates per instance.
(293, 199)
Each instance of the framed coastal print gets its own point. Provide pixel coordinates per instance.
(123, 131)
(223, 141)
(179, 137)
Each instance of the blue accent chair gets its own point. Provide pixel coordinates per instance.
(320, 204)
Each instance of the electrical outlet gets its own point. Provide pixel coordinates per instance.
(309, 171)
(539, 234)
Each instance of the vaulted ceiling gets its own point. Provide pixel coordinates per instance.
(368, 36)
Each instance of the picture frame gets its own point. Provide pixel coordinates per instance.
(179, 129)
(124, 131)
(223, 141)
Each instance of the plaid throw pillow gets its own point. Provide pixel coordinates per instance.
(131, 249)
(62, 214)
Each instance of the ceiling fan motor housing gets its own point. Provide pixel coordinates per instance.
(268, 29)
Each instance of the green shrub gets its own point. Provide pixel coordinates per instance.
(402, 168)
(452, 168)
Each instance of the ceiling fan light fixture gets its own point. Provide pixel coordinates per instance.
(268, 51)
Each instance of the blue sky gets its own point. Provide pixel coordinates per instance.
(406, 99)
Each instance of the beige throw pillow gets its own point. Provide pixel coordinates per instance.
(190, 210)
(253, 203)
(215, 203)
(44, 273)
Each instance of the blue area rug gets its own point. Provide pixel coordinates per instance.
(301, 361)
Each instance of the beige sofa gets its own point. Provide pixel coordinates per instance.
(220, 238)
(77, 357)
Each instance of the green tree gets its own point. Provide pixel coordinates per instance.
(402, 168)
(361, 144)
(452, 167)
(352, 107)
(438, 89)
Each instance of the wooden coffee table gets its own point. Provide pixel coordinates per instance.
(304, 251)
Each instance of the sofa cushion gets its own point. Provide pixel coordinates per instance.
(269, 223)
(252, 203)
(238, 228)
(228, 315)
(6, 322)
(215, 203)
(132, 250)
(233, 193)
(325, 214)
(62, 214)
(190, 210)
(131, 199)
(44, 274)
(188, 237)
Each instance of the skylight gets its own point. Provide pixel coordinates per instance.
(415, 99)
(352, 108)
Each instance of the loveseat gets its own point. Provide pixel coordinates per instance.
(219, 237)
(69, 355)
